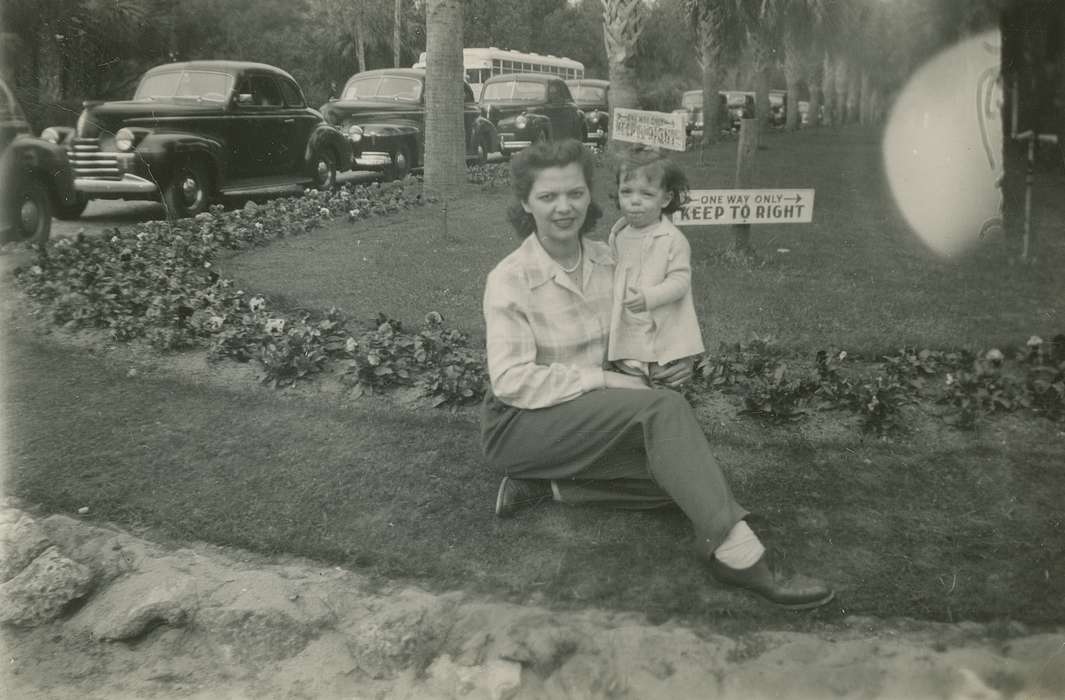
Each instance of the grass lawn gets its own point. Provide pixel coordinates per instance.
(856, 278)
(935, 523)
(940, 525)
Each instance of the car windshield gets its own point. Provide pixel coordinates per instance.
(523, 91)
(185, 85)
(737, 99)
(692, 100)
(589, 93)
(389, 87)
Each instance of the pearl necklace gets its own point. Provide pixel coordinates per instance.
(580, 256)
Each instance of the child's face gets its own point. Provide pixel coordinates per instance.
(642, 197)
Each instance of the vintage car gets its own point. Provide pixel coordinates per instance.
(36, 177)
(528, 107)
(382, 113)
(198, 130)
(592, 98)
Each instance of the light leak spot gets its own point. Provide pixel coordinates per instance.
(943, 146)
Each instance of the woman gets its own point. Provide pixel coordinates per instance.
(560, 425)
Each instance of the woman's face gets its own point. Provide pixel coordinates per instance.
(558, 202)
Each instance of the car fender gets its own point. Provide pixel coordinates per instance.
(66, 134)
(539, 121)
(327, 136)
(484, 129)
(32, 157)
(162, 151)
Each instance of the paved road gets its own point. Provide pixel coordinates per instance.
(103, 214)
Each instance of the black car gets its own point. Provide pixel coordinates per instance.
(197, 130)
(382, 112)
(528, 107)
(36, 177)
(593, 99)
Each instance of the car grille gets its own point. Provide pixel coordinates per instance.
(88, 161)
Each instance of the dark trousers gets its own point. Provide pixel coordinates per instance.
(626, 448)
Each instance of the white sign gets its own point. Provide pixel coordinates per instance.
(661, 129)
(711, 207)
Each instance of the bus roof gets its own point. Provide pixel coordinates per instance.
(471, 56)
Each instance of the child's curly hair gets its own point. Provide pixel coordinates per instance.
(630, 159)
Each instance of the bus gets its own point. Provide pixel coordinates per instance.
(481, 64)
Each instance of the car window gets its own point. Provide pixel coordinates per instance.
(397, 88)
(692, 100)
(529, 92)
(498, 91)
(361, 89)
(186, 84)
(589, 93)
(291, 93)
(265, 91)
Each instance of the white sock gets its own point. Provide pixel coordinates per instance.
(741, 549)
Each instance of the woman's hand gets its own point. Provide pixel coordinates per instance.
(618, 380)
(675, 374)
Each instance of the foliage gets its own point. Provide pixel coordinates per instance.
(490, 175)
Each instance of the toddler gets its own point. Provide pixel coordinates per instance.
(653, 319)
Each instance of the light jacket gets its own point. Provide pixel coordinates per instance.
(665, 280)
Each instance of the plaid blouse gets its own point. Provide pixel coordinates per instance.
(546, 338)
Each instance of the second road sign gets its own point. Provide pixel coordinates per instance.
(713, 207)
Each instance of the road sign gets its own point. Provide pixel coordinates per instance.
(714, 207)
(661, 129)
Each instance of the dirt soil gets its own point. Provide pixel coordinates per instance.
(191, 620)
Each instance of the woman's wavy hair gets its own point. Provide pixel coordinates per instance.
(671, 176)
(529, 163)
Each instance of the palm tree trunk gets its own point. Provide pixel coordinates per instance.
(854, 94)
(828, 90)
(793, 70)
(622, 24)
(445, 139)
(841, 84)
(49, 65)
(709, 63)
(397, 26)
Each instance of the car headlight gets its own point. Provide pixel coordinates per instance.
(124, 139)
(51, 135)
(355, 133)
(521, 122)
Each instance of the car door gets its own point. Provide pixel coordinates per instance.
(253, 129)
(273, 125)
(470, 112)
(297, 125)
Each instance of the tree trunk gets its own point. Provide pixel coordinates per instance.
(49, 65)
(622, 24)
(854, 94)
(828, 91)
(360, 48)
(840, 116)
(445, 139)
(709, 63)
(865, 116)
(397, 28)
(793, 73)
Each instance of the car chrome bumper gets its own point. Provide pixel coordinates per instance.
(508, 145)
(373, 159)
(128, 184)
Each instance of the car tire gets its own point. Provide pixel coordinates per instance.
(187, 193)
(401, 163)
(325, 170)
(70, 212)
(31, 212)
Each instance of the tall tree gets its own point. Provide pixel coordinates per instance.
(622, 24)
(397, 32)
(445, 139)
(717, 36)
(761, 21)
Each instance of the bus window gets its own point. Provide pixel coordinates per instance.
(508, 66)
(497, 66)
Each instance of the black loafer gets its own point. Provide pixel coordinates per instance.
(517, 494)
(797, 593)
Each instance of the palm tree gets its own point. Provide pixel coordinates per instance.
(803, 23)
(762, 22)
(397, 30)
(622, 24)
(717, 36)
(445, 149)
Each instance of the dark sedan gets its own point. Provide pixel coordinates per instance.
(382, 112)
(593, 99)
(529, 107)
(197, 130)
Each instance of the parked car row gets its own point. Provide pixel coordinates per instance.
(733, 106)
(198, 130)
